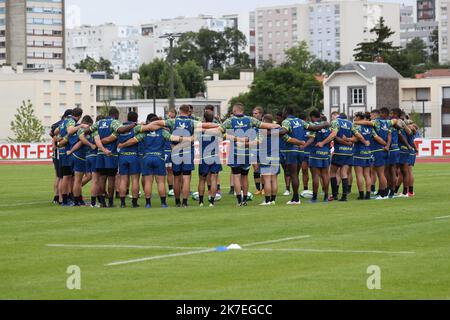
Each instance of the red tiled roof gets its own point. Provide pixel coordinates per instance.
(434, 73)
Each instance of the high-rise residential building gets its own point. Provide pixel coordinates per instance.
(422, 28)
(32, 33)
(426, 10)
(252, 38)
(331, 28)
(443, 14)
(406, 14)
(124, 46)
(181, 25)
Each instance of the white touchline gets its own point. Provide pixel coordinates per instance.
(200, 251)
(21, 204)
(440, 218)
(159, 257)
(275, 241)
(113, 246)
(329, 251)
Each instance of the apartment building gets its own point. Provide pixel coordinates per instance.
(124, 46)
(32, 33)
(51, 91)
(156, 29)
(332, 29)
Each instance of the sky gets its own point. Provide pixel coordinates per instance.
(135, 12)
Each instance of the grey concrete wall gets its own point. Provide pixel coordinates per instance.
(16, 23)
(387, 93)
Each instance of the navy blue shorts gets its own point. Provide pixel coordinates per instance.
(205, 169)
(65, 160)
(340, 160)
(412, 159)
(362, 162)
(91, 164)
(404, 158)
(380, 158)
(306, 156)
(394, 158)
(153, 166)
(273, 169)
(282, 157)
(57, 166)
(181, 164)
(105, 162)
(168, 157)
(319, 163)
(129, 165)
(294, 157)
(79, 164)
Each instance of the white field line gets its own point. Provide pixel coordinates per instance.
(22, 204)
(199, 252)
(112, 246)
(441, 218)
(274, 241)
(190, 253)
(330, 251)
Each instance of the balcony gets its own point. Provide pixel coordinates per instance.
(416, 106)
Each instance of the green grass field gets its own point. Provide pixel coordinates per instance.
(412, 246)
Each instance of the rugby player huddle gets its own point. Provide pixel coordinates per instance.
(113, 155)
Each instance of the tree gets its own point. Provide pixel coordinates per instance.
(282, 86)
(91, 65)
(155, 76)
(399, 60)
(378, 48)
(434, 39)
(26, 126)
(237, 42)
(299, 57)
(416, 51)
(323, 66)
(211, 49)
(192, 77)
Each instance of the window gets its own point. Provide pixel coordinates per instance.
(357, 96)
(62, 108)
(77, 87)
(423, 94)
(334, 97)
(62, 86)
(47, 109)
(47, 86)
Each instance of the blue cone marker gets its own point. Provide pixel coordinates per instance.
(221, 249)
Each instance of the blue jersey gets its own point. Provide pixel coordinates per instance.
(394, 141)
(269, 150)
(361, 151)
(90, 152)
(209, 148)
(63, 132)
(296, 128)
(403, 147)
(124, 137)
(106, 128)
(382, 128)
(319, 136)
(242, 127)
(343, 128)
(153, 142)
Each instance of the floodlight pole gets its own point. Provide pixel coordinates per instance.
(171, 37)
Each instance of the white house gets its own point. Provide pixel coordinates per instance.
(361, 86)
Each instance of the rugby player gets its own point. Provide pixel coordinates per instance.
(342, 159)
(296, 128)
(319, 160)
(210, 164)
(241, 126)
